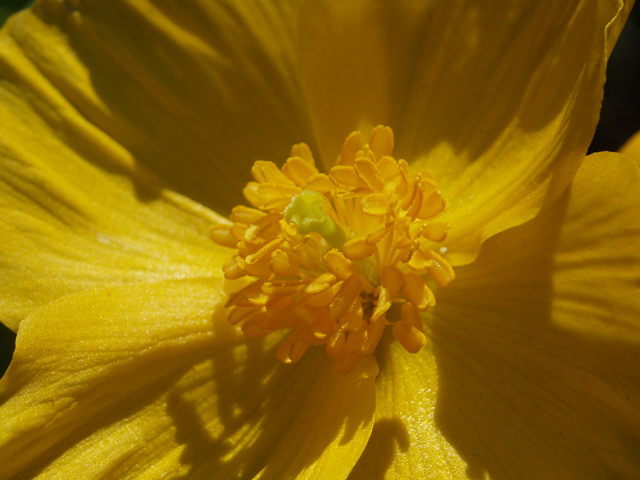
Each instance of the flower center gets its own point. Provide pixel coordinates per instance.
(338, 257)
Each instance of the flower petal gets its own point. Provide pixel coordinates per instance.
(500, 101)
(405, 441)
(537, 347)
(533, 365)
(631, 147)
(547, 345)
(596, 275)
(195, 91)
(67, 226)
(150, 380)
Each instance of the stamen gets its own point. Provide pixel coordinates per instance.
(332, 254)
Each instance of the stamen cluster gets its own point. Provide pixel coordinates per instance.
(333, 275)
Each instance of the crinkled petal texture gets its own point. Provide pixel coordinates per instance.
(499, 99)
(150, 381)
(533, 366)
(196, 91)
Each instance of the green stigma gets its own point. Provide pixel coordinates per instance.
(306, 211)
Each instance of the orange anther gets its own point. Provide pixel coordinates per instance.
(335, 344)
(381, 142)
(346, 177)
(339, 265)
(349, 149)
(320, 182)
(374, 334)
(393, 279)
(369, 174)
(411, 315)
(246, 215)
(221, 234)
(292, 348)
(417, 292)
(232, 270)
(440, 270)
(388, 168)
(379, 232)
(376, 204)
(432, 205)
(298, 170)
(436, 231)
(409, 337)
(264, 251)
(346, 296)
(358, 248)
(420, 260)
(268, 172)
(240, 314)
(325, 297)
(303, 151)
(353, 319)
(283, 264)
(320, 283)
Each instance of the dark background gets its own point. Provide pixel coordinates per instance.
(620, 114)
(619, 118)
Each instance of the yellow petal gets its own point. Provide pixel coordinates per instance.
(345, 72)
(81, 132)
(150, 380)
(67, 227)
(631, 147)
(346, 400)
(533, 365)
(499, 102)
(515, 139)
(597, 270)
(184, 88)
(405, 441)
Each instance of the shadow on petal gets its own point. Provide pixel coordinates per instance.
(499, 101)
(194, 93)
(135, 380)
(389, 436)
(267, 418)
(522, 392)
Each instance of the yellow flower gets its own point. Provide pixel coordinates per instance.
(126, 366)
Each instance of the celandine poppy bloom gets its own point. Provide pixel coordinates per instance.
(455, 297)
